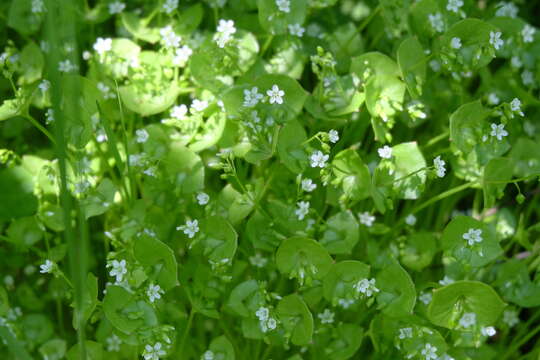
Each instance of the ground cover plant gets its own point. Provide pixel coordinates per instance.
(271, 179)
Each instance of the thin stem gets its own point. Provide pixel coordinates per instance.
(186, 331)
(442, 196)
(40, 127)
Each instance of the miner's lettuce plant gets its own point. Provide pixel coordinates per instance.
(269, 179)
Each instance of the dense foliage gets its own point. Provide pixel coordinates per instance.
(269, 179)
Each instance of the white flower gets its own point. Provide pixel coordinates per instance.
(203, 198)
(284, 5)
(46, 267)
(252, 97)
(436, 22)
(66, 66)
(153, 352)
(493, 99)
(198, 105)
(498, 131)
(86, 55)
(190, 228)
(488, 331)
(181, 55)
(44, 85)
(429, 352)
(405, 333)
(308, 185)
(116, 7)
(467, 320)
(262, 313)
(225, 30)
(425, 298)
(327, 316)
(38, 7)
(366, 287)
(438, 163)
(527, 33)
(101, 46)
(179, 111)
(318, 159)
(276, 95)
(385, 152)
(142, 136)
(455, 43)
(271, 324)
(333, 136)
(345, 303)
(208, 355)
(170, 5)
(510, 318)
(515, 61)
(447, 280)
(154, 292)
(118, 269)
(527, 77)
(410, 220)
(106, 91)
(495, 39)
(472, 236)
(506, 9)
(113, 343)
(136, 159)
(296, 30)
(258, 260)
(303, 209)
(169, 37)
(366, 218)
(515, 106)
(454, 5)
(435, 65)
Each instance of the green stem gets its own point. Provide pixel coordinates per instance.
(442, 196)
(40, 127)
(527, 336)
(186, 331)
(267, 44)
(437, 138)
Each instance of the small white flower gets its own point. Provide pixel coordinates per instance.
(208, 355)
(327, 316)
(284, 5)
(527, 77)
(113, 343)
(385, 152)
(118, 269)
(345, 303)
(438, 163)
(169, 37)
(151, 171)
(515, 106)
(203, 198)
(510, 317)
(46, 267)
(498, 131)
(436, 22)
(106, 91)
(473, 236)
(66, 66)
(198, 105)
(86, 55)
(116, 7)
(488, 331)
(252, 97)
(44, 85)
(276, 95)
(170, 5)
(190, 228)
(308, 185)
(38, 7)
(506, 9)
(425, 298)
(527, 33)
(153, 352)
(366, 219)
(179, 112)
(225, 30)
(515, 61)
(303, 209)
(318, 159)
(142, 136)
(101, 46)
(454, 5)
(271, 324)
(405, 333)
(495, 39)
(467, 320)
(258, 260)
(154, 292)
(429, 352)
(410, 220)
(493, 99)
(333, 136)
(182, 55)
(455, 43)
(366, 287)
(435, 65)
(447, 280)
(296, 30)
(262, 313)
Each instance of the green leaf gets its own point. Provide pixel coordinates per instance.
(397, 294)
(347, 339)
(525, 157)
(89, 301)
(185, 169)
(261, 233)
(139, 29)
(16, 192)
(158, 259)
(220, 239)
(466, 126)
(275, 21)
(212, 130)
(25, 232)
(339, 282)
(479, 254)
(146, 103)
(100, 199)
(22, 19)
(293, 100)
(408, 159)
(240, 298)
(290, 149)
(124, 312)
(296, 319)
(222, 348)
(497, 173)
(341, 234)
(412, 65)
(94, 351)
(352, 174)
(54, 349)
(450, 302)
(515, 285)
(9, 108)
(303, 258)
(419, 250)
(31, 63)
